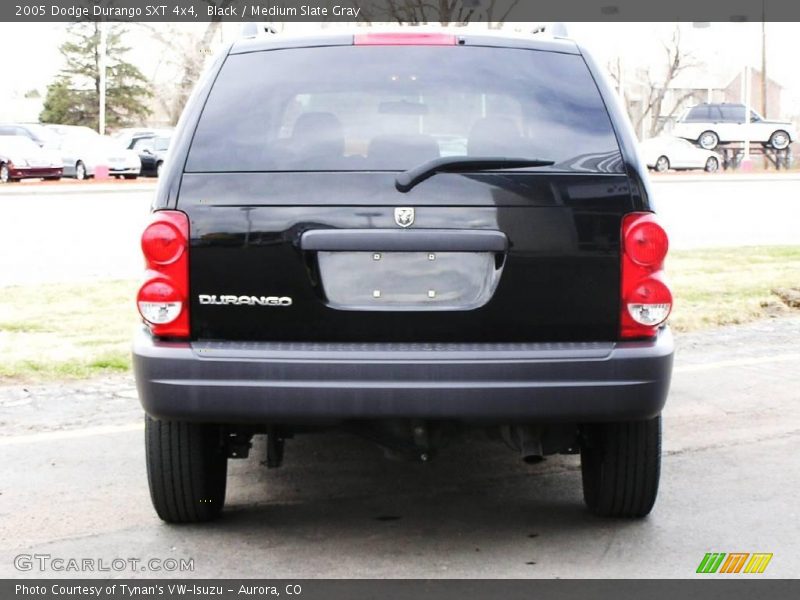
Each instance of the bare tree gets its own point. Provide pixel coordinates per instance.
(496, 15)
(185, 52)
(181, 57)
(655, 90)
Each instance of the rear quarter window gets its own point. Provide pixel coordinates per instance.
(732, 114)
(391, 108)
(698, 114)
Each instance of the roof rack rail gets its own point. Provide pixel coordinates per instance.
(254, 30)
(556, 30)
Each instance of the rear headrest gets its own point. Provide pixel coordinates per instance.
(318, 134)
(401, 151)
(494, 136)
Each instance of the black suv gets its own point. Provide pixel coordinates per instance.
(403, 236)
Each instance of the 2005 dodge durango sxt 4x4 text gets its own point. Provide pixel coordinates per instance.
(403, 235)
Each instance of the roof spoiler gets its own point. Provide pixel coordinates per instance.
(556, 30)
(254, 30)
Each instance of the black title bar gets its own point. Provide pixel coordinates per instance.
(397, 589)
(366, 11)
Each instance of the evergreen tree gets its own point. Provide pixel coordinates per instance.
(73, 98)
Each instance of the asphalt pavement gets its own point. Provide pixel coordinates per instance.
(74, 486)
(73, 232)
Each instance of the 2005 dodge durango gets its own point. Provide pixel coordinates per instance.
(405, 236)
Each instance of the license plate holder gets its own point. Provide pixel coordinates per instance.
(408, 281)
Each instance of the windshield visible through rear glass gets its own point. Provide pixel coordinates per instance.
(359, 108)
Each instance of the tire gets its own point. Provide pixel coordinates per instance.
(662, 164)
(5, 175)
(130, 176)
(80, 171)
(186, 470)
(158, 168)
(708, 140)
(779, 140)
(620, 467)
(712, 165)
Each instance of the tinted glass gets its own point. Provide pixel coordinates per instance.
(698, 113)
(161, 144)
(732, 114)
(143, 143)
(41, 133)
(392, 108)
(714, 114)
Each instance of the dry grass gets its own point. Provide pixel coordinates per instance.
(57, 331)
(730, 285)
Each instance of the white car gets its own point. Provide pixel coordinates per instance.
(22, 158)
(712, 124)
(83, 150)
(666, 152)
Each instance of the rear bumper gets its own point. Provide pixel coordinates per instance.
(34, 172)
(287, 382)
(124, 170)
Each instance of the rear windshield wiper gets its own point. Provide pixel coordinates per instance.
(406, 180)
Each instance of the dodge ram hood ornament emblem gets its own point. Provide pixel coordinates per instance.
(404, 216)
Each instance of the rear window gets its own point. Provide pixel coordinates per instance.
(391, 108)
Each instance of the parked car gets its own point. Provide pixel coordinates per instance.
(83, 150)
(128, 136)
(666, 152)
(21, 158)
(712, 124)
(314, 262)
(152, 152)
(37, 133)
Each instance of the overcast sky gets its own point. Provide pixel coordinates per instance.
(723, 47)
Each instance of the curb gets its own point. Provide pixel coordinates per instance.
(57, 190)
(657, 179)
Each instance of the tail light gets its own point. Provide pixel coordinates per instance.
(404, 39)
(646, 299)
(163, 298)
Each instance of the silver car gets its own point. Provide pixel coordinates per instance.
(83, 150)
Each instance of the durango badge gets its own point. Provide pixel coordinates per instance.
(244, 300)
(404, 216)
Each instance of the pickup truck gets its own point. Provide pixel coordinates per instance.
(404, 236)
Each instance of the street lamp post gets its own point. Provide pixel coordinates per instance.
(746, 87)
(102, 51)
(764, 58)
(746, 162)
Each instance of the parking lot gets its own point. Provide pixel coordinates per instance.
(74, 485)
(74, 481)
